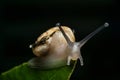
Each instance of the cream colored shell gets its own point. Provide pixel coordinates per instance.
(55, 44)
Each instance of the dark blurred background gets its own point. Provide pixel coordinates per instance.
(22, 21)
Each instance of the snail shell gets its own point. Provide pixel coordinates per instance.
(51, 48)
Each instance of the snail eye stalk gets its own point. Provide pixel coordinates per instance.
(84, 40)
(64, 34)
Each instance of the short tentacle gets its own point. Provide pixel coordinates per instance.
(64, 34)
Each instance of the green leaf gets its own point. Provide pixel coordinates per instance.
(24, 72)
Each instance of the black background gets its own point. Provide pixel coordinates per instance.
(23, 21)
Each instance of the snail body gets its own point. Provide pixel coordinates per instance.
(57, 47)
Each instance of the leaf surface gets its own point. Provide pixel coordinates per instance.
(24, 72)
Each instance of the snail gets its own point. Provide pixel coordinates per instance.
(57, 47)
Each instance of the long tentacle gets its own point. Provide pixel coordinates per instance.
(83, 41)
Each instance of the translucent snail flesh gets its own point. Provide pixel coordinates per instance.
(57, 47)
